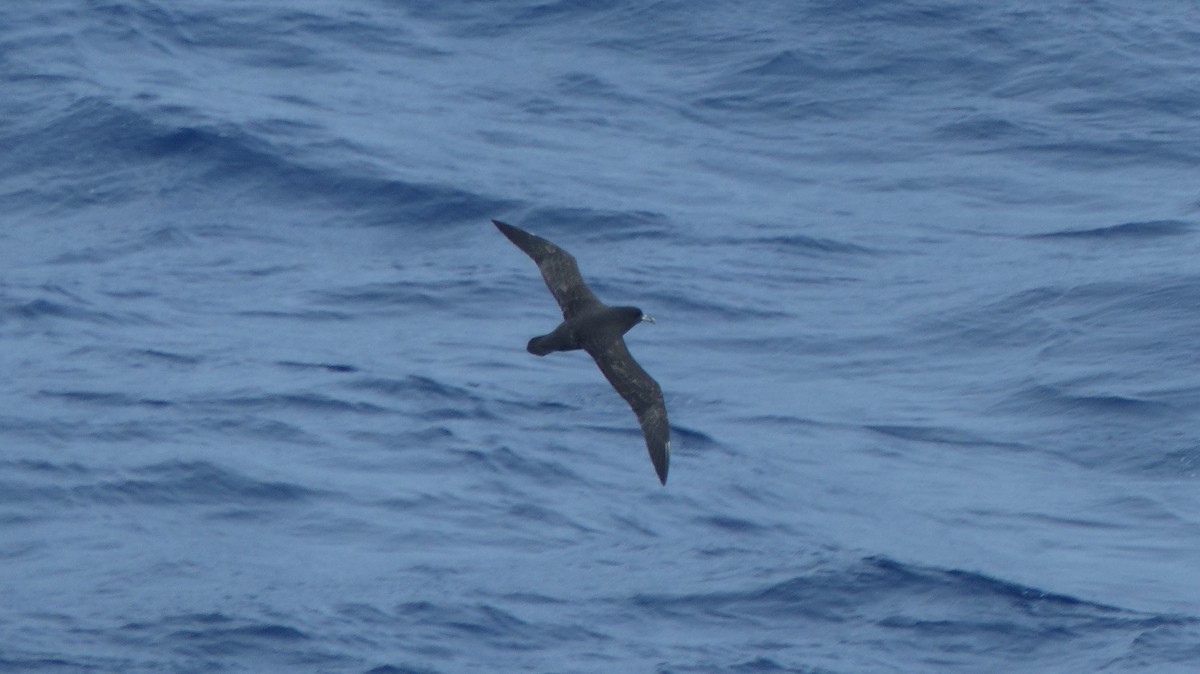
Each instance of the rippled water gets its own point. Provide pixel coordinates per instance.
(926, 278)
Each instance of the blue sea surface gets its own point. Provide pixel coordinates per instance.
(927, 282)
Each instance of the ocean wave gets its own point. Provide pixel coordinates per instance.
(170, 482)
(1151, 229)
(915, 612)
(926, 281)
(218, 155)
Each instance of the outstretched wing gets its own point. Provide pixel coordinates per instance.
(558, 268)
(641, 392)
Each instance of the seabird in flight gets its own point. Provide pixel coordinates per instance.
(597, 328)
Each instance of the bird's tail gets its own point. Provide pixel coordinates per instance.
(539, 346)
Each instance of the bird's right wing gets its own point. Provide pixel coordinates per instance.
(641, 392)
(558, 268)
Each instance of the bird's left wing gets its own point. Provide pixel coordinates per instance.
(641, 392)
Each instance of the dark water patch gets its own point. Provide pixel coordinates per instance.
(303, 402)
(426, 504)
(875, 583)
(630, 431)
(363, 613)
(504, 460)
(1024, 318)
(390, 296)
(195, 482)
(499, 629)
(534, 404)
(14, 550)
(39, 309)
(153, 241)
(589, 85)
(986, 128)
(184, 619)
(793, 422)
(727, 524)
(542, 518)
(449, 413)
(1072, 522)
(257, 427)
(763, 102)
(269, 37)
(243, 638)
(478, 621)
(534, 599)
(1150, 229)
(764, 664)
(692, 438)
(1120, 153)
(942, 435)
(794, 346)
(270, 270)
(794, 70)
(136, 430)
(943, 615)
(58, 304)
(611, 225)
(633, 525)
(167, 357)
(1150, 651)
(252, 516)
(791, 63)
(51, 665)
(1107, 319)
(416, 386)
(256, 38)
(1170, 304)
(328, 367)
(861, 15)
(130, 293)
(1183, 462)
(401, 669)
(173, 482)
(43, 467)
(435, 400)
(53, 432)
(402, 440)
(290, 128)
(106, 399)
(266, 632)
(1061, 399)
(302, 316)
(384, 202)
(557, 11)
(1024, 599)
(803, 245)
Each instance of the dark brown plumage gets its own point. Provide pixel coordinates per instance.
(598, 329)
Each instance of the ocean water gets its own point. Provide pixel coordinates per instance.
(927, 282)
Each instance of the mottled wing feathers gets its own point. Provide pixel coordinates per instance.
(558, 268)
(641, 392)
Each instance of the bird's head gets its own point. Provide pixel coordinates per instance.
(631, 316)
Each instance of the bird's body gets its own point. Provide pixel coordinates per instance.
(598, 329)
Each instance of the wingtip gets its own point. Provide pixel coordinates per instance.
(514, 234)
(662, 463)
